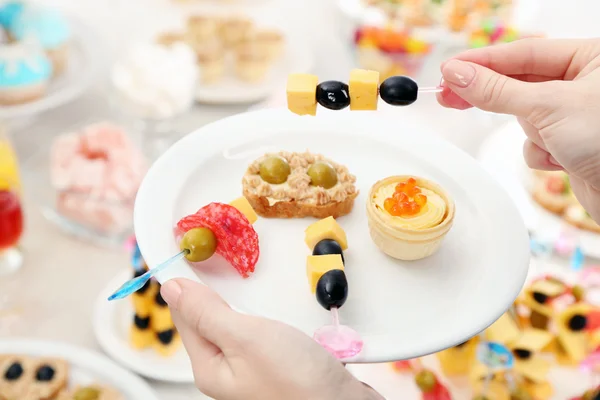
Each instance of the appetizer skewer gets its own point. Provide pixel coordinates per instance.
(225, 229)
(327, 279)
(304, 92)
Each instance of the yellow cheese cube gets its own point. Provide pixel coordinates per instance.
(534, 340)
(364, 89)
(535, 369)
(316, 266)
(302, 94)
(242, 204)
(504, 330)
(327, 228)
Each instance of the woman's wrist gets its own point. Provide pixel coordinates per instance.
(357, 390)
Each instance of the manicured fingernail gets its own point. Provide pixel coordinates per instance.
(458, 73)
(170, 291)
(553, 161)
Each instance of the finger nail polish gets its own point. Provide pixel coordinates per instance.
(170, 292)
(458, 73)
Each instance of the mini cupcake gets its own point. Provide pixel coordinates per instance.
(271, 40)
(211, 59)
(202, 27)
(409, 216)
(170, 38)
(251, 63)
(24, 73)
(234, 30)
(9, 11)
(50, 28)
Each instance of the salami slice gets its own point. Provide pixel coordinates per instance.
(237, 241)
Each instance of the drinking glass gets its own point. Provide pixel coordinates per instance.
(11, 213)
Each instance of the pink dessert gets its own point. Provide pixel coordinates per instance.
(96, 173)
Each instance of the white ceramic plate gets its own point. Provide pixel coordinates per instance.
(112, 321)
(297, 59)
(85, 60)
(502, 155)
(86, 366)
(401, 309)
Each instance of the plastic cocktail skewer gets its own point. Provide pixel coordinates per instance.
(135, 284)
(432, 89)
(339, 340)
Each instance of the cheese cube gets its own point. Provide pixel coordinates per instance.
(533, 340)
(302, 94)
(316, 266)
(364, 89)
(548, 287)
(504, 330)
(242, 204)
(327, 228)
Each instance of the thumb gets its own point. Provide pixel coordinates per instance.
(491, 91)
(201, 310)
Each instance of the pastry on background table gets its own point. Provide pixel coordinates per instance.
(210, 57)
(202, 27)
(50, 28)
(25, 71)
(296, 185)
(234, 30)
(272, 42)
(552, 191)
(252, 62)
(576, 215)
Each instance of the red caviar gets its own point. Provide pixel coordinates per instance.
(407, 199)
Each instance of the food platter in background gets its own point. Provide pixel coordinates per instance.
(501, 155)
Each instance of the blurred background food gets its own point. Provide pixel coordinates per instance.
(91, 92)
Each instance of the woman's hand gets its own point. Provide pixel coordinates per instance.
(553, 87)
(239, 357)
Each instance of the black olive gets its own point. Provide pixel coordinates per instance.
(540, 297)
(165, 337)
(522, 354)
(399, 91)
(328, 246)
(143, 289)
(141, 323)
(13, 372)
(332, 289)
(44, 373)
(159, 300)
(333, 95)
(577, 322)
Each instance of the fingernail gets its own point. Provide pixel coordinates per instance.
(170, 292)
(553, 161)
(458, 73)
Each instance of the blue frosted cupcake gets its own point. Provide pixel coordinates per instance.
(25, 71)
(49, 28)
(9, 11)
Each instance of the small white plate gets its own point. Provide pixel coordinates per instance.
(112, 321)
(86, 366)
(502, 155)
(85, 60)
(401, 309)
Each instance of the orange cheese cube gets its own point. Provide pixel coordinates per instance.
(364, 89)
(327, 228)
(302, 94)
(316, 266)
(242, 204)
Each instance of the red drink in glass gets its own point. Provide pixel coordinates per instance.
(11, 219)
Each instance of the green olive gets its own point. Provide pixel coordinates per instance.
(322, 174)
(426, 381)
(520, 394)
(590, 395)
(275, 170)
(480, 397)
(578, 292)
(200, 244)
(87, 393)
